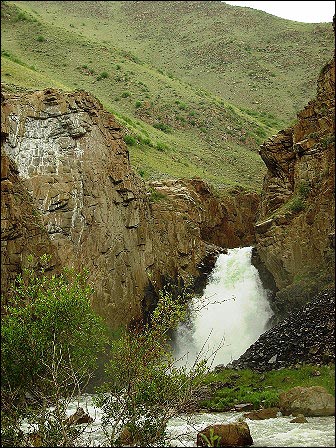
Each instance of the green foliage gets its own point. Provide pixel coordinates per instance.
(48, 315)
(161, 146)
(125, 94)
(144, 389)
(328, 140)
(130, 140)
(213, 440)
(155, 195)
(103, 75)
(296, 204)
(40, 39)
(138, 104)
(304, 188)
(263, 390)
(163, 127)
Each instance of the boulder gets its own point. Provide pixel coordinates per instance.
(299, 419)
(312, 401)
(263, 414)
(228, 434)
(78, 418)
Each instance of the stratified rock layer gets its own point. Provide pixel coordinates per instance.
(22, 232)
(100, 216)
(71, 155)
(295, 231)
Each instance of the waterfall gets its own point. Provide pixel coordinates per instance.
(229, 317)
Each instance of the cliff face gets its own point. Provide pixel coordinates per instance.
(72, 158)
(22, 231)
(296, 229)
(97, 214)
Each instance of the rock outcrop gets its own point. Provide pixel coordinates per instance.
(22, 232)
(72, 159)
(295, 231)
(95, 213)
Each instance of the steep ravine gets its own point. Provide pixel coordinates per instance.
(94, 212)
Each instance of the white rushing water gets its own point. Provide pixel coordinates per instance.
(229, 317)
(182, 431)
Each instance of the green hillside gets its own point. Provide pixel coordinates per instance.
(196, 85)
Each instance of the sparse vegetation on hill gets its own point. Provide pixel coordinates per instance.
(197, 91)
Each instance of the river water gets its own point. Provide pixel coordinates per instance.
(182, 431)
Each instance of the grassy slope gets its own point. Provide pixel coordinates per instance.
(167, 93)
(263, 390)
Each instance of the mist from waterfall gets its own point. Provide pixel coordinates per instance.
(229, 317)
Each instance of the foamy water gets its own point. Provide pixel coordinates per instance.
(229, 317)
(182, 430)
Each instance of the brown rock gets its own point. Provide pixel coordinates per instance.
(79, 417)
(229, 434)
(263, 414)
(299, 419)
(312, 401)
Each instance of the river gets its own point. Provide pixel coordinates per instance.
(182, 430)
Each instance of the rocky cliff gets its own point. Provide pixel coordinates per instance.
(22, 232)
(295, 231)
(95, 213)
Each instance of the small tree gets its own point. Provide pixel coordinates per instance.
(144, 389)
(51, 339)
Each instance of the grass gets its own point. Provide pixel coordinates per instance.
(263, 390)
(194, 124)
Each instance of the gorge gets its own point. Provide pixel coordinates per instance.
(140, 168)
(69, 190)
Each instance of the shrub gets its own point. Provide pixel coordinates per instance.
(103, 75)
(156, 195)
(138, 104)
(51, 339)
(46, 313)
(125, 95)
(296, 204)
(163, 127)
(304, 188)
(161, 146)
(130, 140)
(40, 39)
(144, 389)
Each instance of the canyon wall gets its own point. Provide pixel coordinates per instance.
(295, 231)
(93, 212)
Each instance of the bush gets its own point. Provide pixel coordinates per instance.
(51, 339)
(163, 127)
(156, 195)
(296, 204)
(48, 314)
(103, 75)
(161, 146)
(130, 140)
(40, 39)
(144, 389)
(125, 95)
